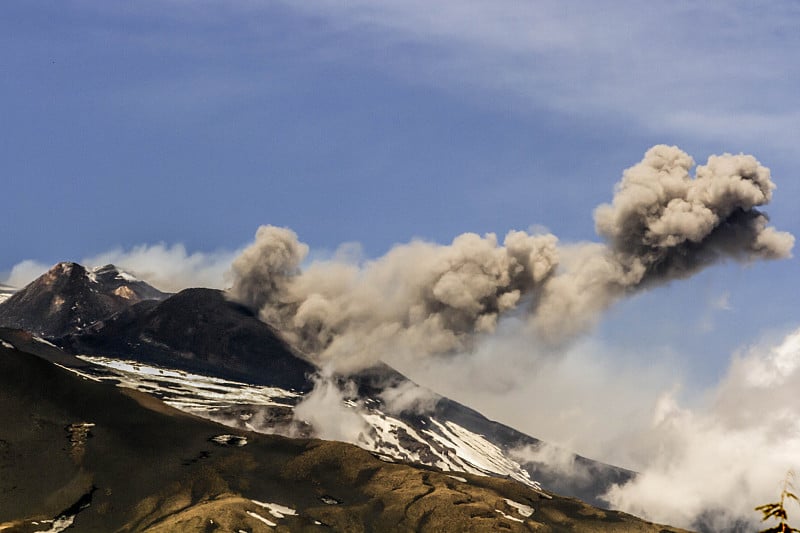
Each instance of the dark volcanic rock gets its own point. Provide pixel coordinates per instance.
(201, 331)
(69, 298)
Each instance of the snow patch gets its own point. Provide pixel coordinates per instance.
(78, 373)
(4, 344)
(275, 509)
(186, 391)
(458, 478)
(515, 519)
(43, 341)
(522, 509)
(126, 276)
(477, 455)
(230, 440)
(261, 518)
(58, 525)
(443, 445)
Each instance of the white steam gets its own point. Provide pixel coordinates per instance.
(326, 411)
(408, 397)
(711, 465)
(553, 459)
(423, 298)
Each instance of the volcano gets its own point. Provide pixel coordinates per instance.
(208, 357)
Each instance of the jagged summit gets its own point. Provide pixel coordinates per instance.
(68, 297)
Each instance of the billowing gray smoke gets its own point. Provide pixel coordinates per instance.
(420, 297)
(663, 225)
(423, 298)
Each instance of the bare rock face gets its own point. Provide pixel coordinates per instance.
(69, 298)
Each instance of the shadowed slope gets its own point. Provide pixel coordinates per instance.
(201, 331)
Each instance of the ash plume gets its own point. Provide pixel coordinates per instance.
(422, 298)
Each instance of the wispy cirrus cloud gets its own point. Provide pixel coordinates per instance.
(706, 71)
(716, 70)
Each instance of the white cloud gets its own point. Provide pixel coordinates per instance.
(167, 267)
(722, 302)
(715, 305)
(24, 272)
(715, 462)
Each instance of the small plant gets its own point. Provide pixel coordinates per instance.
(777, 510)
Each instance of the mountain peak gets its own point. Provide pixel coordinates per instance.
(69, 297)
(110, 271)
(60, 270)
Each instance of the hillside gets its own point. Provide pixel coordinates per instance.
(75, 451)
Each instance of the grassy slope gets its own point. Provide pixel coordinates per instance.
(151, 468)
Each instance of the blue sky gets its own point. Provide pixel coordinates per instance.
(377, 122)
(191, 123)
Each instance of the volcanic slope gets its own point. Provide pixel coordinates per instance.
(197, 330)
(211, 357)
(69, 297)
(86, 455)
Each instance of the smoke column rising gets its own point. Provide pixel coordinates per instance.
(424, 299)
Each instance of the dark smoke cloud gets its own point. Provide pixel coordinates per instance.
(423, 298)
(663, 225)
